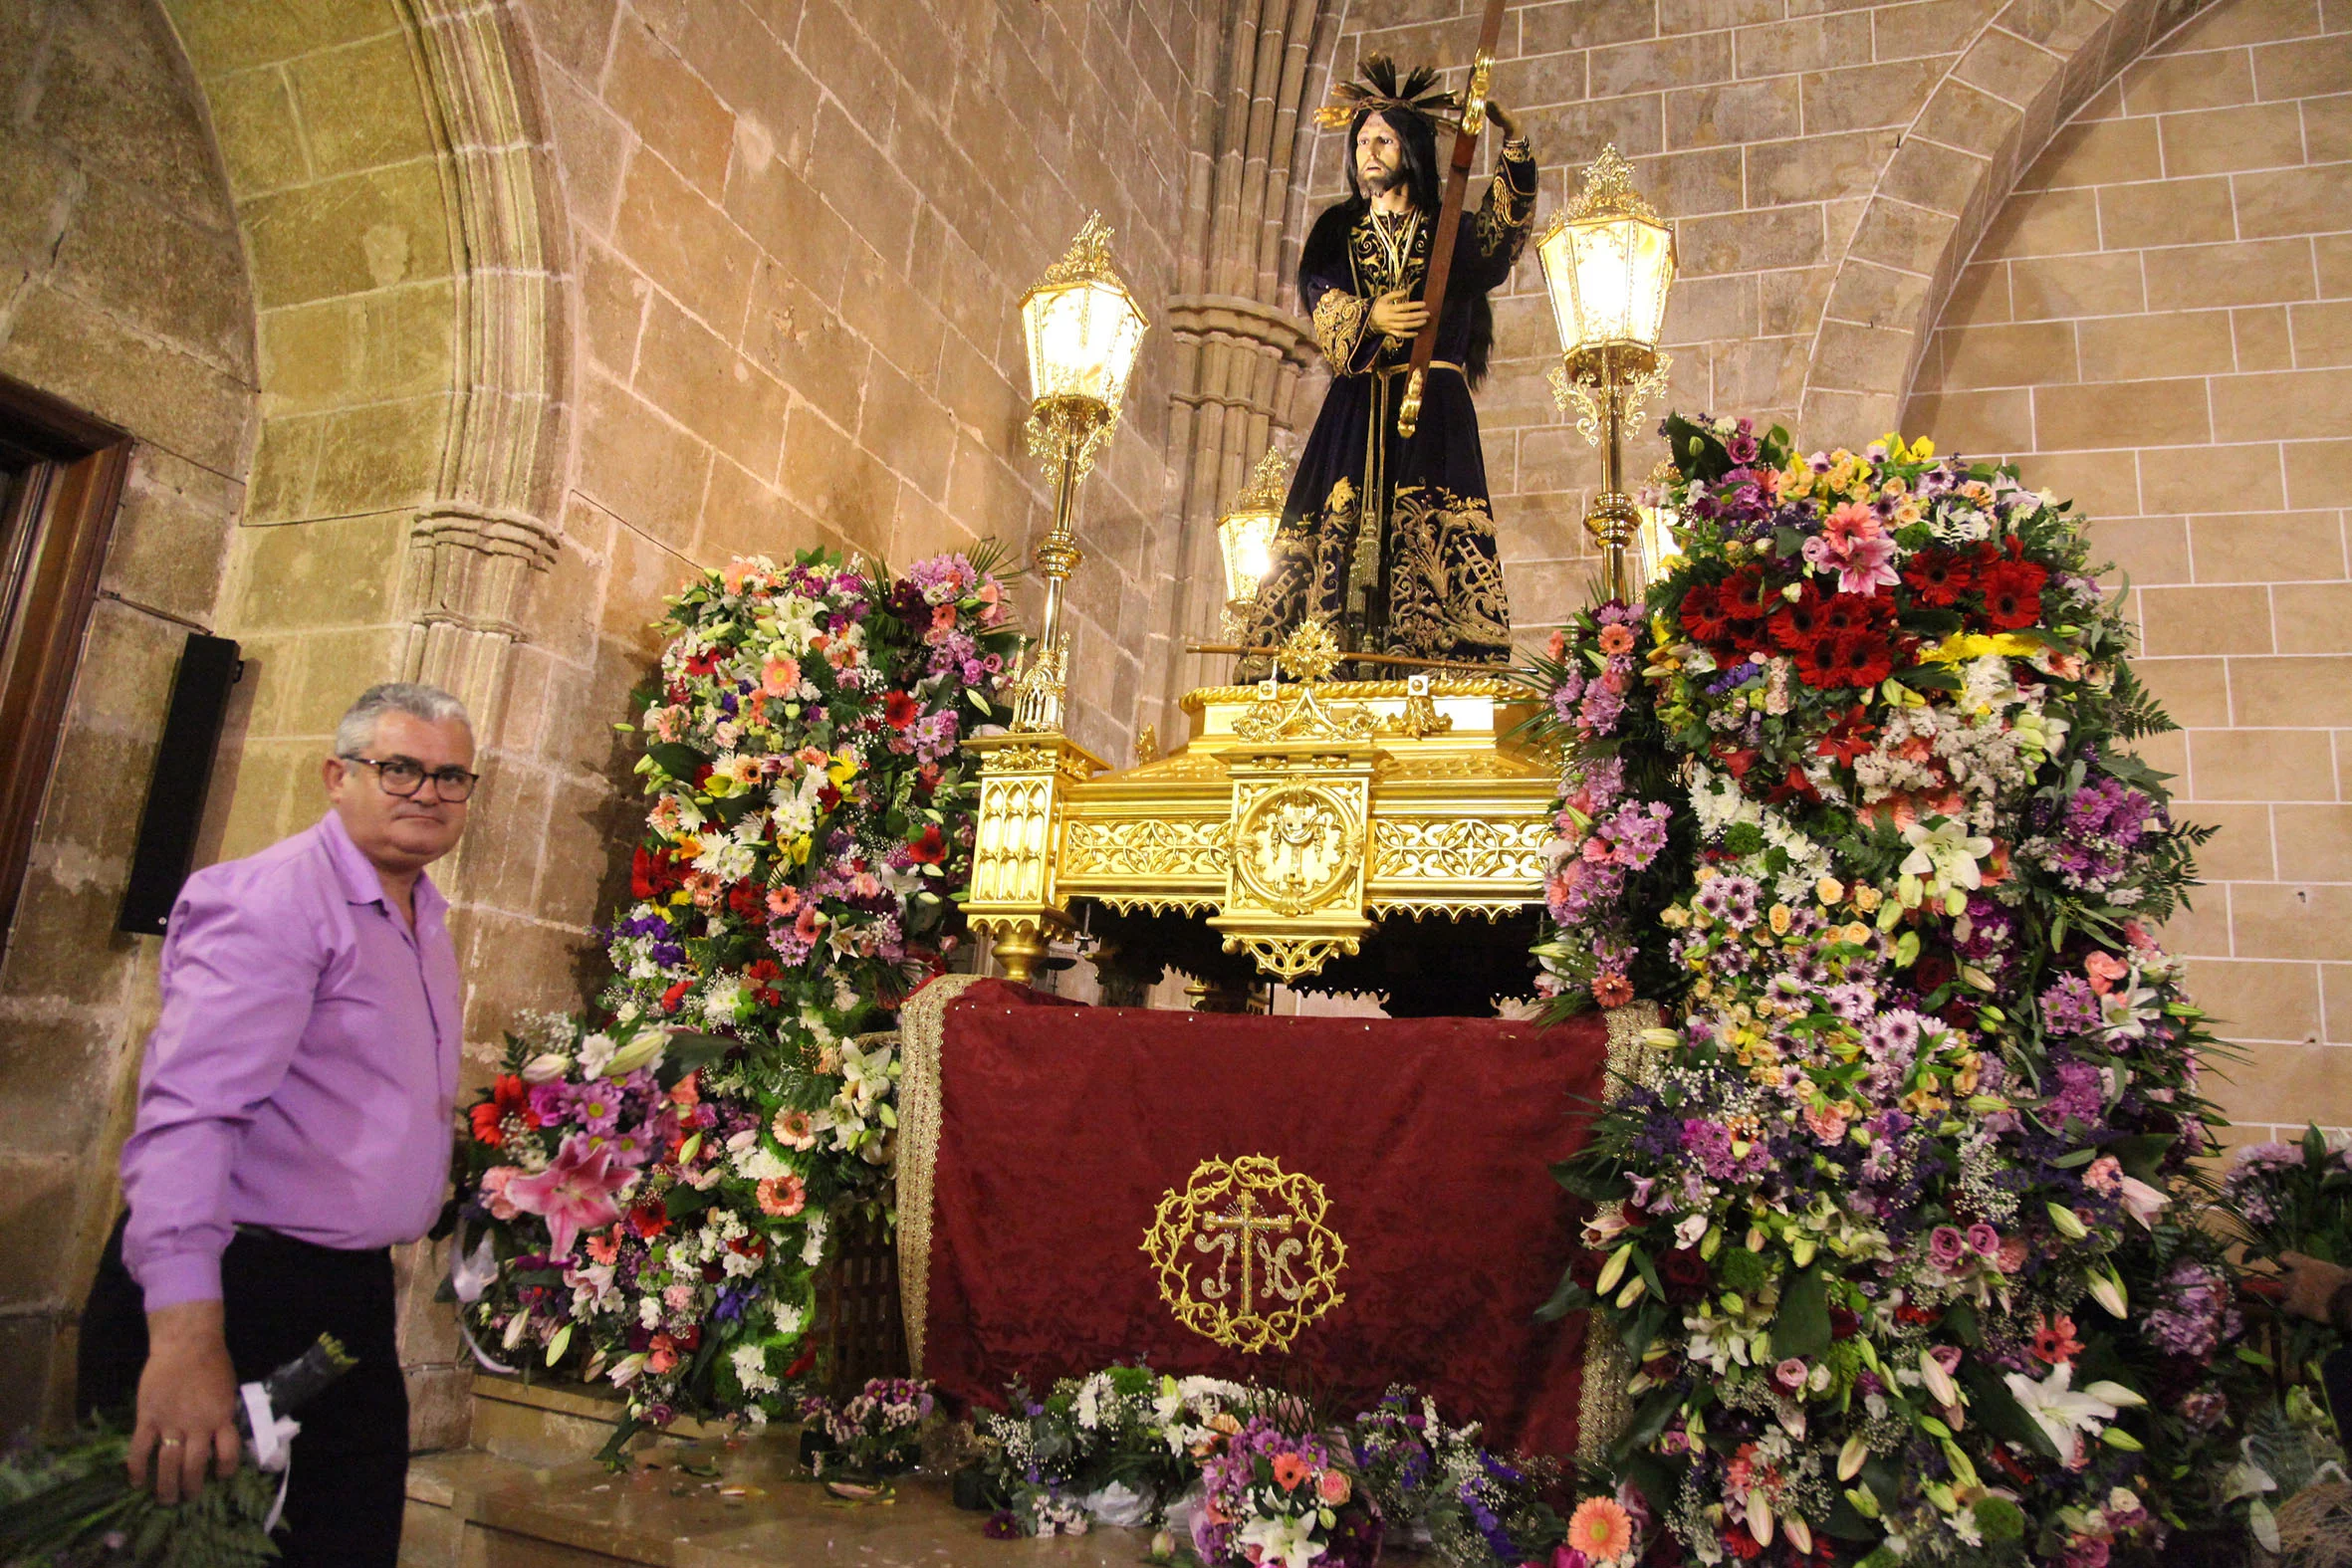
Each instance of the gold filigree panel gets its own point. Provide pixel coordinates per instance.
(1459, 849)
(1243, 1255)
(1148, 848)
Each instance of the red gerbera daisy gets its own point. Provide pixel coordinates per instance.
(1842, 613)
(1938, 577)
(899, 710)
(1854, 659)
(929, 849)
(1799, 624)
(2012, 594)
(1747, 597)
(1703, 613)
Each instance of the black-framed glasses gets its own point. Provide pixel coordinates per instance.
(404, 776)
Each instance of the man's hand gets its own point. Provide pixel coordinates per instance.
(2309, 1283)
(188, 1403)
(1399, 315)
(1500, 119)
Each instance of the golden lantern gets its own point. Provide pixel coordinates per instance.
(1245, 535)
(1608, 262)
(1083, 330)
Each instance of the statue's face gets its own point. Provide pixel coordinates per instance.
(1379, 155)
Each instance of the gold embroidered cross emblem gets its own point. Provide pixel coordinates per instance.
(1251, 1219)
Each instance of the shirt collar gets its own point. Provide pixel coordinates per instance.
(361, 883)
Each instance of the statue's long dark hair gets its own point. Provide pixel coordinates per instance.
(1417, 139)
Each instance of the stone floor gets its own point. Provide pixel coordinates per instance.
(701, 1507)
(526, 1496)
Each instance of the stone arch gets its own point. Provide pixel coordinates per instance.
(386, 162)
(2021, 78)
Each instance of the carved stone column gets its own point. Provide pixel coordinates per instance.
(1239, 350)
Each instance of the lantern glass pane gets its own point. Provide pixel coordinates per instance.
(1608, 279)
(1082, 342)
(1247, 540)
(1653, 543)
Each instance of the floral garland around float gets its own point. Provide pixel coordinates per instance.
(1892, 1221)
(657, 1182)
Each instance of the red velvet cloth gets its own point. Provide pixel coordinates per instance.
(1063, 1126)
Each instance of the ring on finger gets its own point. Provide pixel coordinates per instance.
(175, 1443)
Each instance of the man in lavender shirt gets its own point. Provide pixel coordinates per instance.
(293, 1122)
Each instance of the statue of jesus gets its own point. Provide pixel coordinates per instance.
(1390, 539)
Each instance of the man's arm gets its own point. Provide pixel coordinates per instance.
(239, 974)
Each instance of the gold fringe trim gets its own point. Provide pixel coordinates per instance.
(1604, 1406)
(922, 1023)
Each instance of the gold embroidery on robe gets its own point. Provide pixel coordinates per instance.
(1446, 596)
(1339, 320)
(1504, 216)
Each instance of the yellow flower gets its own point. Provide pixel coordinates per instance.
(1830, 890)
(1866, 898)
(1779, 915)
(1858, 934)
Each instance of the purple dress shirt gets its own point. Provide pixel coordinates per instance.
(305, 1069)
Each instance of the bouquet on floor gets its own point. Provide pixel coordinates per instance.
(1279, 1495)
(1426, 1479)
(873, 1434)
(1116, 1447)
(645, 1192)
(1893, 1220)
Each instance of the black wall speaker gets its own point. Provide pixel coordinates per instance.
(208, 667)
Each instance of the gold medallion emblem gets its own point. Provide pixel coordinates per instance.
(1242, 1255)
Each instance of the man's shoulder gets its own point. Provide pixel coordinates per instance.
(297, 874)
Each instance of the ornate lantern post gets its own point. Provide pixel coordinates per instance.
(1245, 535)
(1608, 261)
(1083, 330)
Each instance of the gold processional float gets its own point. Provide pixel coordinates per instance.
(1301, 812)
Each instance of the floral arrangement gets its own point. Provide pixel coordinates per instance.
(1116, 1447)
(1477, 1508)
(876, 1431)
(1275, 1495)
(1893, 1220)
(1248, 1474)
(655, 1184)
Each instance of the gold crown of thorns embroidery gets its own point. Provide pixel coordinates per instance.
(1242, 1255)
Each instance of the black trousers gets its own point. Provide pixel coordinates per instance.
(278, 1295)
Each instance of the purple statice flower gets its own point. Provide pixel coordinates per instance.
(2193, 1315)
(2078, 1093)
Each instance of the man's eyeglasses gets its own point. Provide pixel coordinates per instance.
(404, 776)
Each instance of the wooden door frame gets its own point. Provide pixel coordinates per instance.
(59, 520)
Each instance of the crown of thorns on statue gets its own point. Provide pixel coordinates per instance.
(1379, 90)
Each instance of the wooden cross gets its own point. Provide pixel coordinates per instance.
(1247, 1223)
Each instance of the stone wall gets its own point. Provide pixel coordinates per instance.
(798, 233)
(123, 291)
(2159, 324)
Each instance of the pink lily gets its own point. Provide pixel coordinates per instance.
(574, 1193)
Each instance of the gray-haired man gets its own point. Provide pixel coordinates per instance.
(293, 1122)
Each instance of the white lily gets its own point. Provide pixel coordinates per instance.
(2063, 1412)
(1942, 863)
(1290, 1543)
